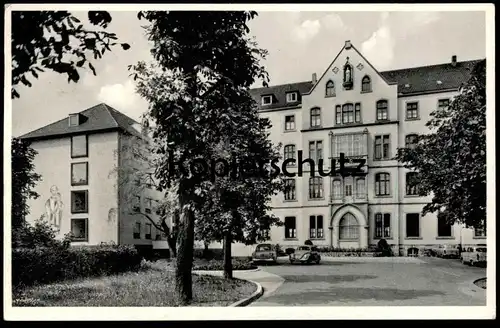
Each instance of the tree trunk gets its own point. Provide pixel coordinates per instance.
(171, 237)
(228, 262)
(184, 260)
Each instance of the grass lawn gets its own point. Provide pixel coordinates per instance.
(148, 287)
(481, 283)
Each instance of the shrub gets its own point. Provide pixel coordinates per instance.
(384, 248)
(279, 250)
(41, 265)
(308, 242)
(40, 234)
(289, 251)
(216, 265)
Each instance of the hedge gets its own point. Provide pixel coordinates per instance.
(216, 265)
(43, 265)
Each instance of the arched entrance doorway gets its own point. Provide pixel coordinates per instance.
(349, 228)
(348, 231)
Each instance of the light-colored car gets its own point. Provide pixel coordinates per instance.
(447, 251)
(265, 253)
(305, 254)
(473, 255)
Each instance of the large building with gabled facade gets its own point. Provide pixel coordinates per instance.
(354, 109)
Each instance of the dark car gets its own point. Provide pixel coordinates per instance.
(264, 253)
(305, 254)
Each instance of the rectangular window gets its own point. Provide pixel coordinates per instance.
(444, 228)
(316, 227)
(413, 225)
(382, 110)
(289, 189)
(443, 103)
(267, 100)
(148, 231)
(382, 184)
(316, 150)
(382, 147)
(79, 230)
(411, 110)
(291, 97)
(79, 146)
(79, 174)
(136, 204)
(411, 184)
(382, 225)
(79, 201)
(158, 234)
(360, 188)
(290, 227)
(351, 145)
(157, 208)
(348, 189)
(357, 114)
(148, 206)
(74, 119)
(315, 117)
(137, 230)
(316, 188)
(289, 123)
(337, 189)
(347, 113)
(338, 114)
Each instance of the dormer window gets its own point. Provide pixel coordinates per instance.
(74, 119)
(292, 97)
(267, 100)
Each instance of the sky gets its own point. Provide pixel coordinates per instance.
(299, 44)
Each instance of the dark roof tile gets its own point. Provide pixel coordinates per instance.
(410, 80)
(97, 118)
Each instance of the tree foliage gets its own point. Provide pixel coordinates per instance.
(57, 41)
(450, 161)
(202, 61)
(24, 180)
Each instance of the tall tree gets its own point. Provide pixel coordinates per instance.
(200, 57)
(24, 180)
(57, 41)
(450, 161)
(239, 207)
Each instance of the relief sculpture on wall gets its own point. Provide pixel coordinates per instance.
(54, 207)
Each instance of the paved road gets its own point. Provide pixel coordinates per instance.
(428, 282)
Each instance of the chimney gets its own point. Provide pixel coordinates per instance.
(348, 44)
(314, 78)
(454, 60)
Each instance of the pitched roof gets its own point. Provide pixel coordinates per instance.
(409, 80)
(98, 118)
(279, 93)
(425, 78)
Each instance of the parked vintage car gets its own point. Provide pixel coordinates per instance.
(305, 254)
(265, 253)
(473, 255)
(447, 251)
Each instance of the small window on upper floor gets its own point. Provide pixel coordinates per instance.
(292, 97)
(267, 100)
(74, 119)
(366, 84)
(330, 89)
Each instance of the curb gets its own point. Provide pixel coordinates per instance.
(258, 293)
(221, 271)
(475, 287)
(471, 289)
